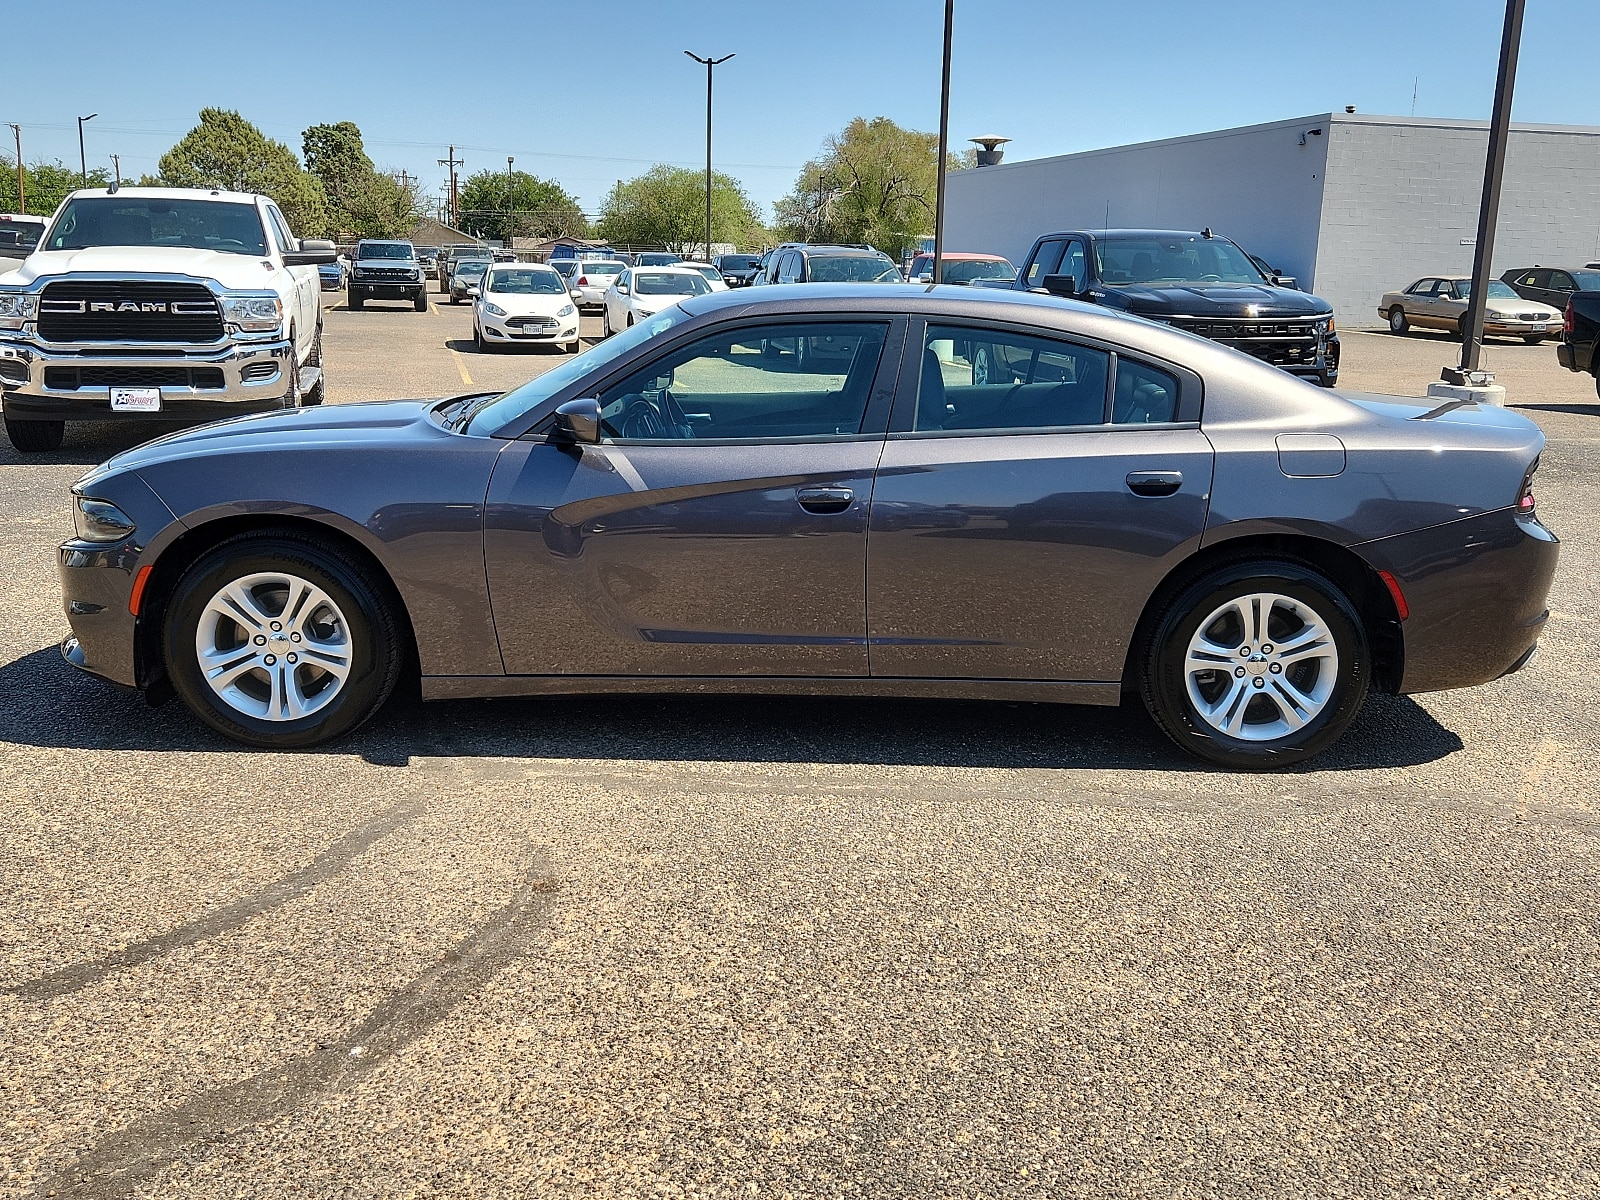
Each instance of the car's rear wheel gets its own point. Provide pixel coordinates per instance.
(280, 641)
(1397, 320)
(1257, 665)
(35, 437)
(605, 322)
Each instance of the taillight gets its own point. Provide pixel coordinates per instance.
(1525, 499)
(1566, 319)
(583, 281)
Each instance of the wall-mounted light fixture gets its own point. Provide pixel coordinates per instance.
(1317, 132)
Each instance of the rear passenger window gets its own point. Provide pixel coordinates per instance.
(1143, 395)
(985, 379)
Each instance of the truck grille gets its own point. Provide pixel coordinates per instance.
(128, 311)
(397, 274)
(70, 379)
(1283, 343)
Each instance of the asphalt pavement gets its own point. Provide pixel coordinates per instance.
(809, 948)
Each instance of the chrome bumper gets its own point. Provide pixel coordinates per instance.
(251, 373)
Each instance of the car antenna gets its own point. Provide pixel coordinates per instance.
(111, 188)
(1206, 233)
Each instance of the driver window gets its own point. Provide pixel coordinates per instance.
(756, 383)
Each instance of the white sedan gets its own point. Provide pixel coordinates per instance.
(641, 292)
(713, 276)
(523, 304)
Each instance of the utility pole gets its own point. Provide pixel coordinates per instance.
(116, 163)
(709, 64)
(511, 199)
(22, 196)
(944, 145)
(453, 162)
(1489, 211)
(83, 163)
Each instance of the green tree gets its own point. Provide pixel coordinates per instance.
(666, 206)
(537, 208)
(226, 151)
(874, 182)
(46, 184)
(362, 201)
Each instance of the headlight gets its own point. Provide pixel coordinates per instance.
(566, 310)
(493, 309)
(18, 306)
(99, 521)
(252, 312)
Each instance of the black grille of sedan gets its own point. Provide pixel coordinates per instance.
(70, 379)
(128, 311)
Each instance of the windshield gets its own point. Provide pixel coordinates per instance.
(145, 221)
(710, 273)
(1587, 281)
(1497, 290)
(602, 268)
(472, 268)
(856, 269)
(658, 260)
(520, 401)
(383, 250)
(966, 272)
(532, 281)
(1172, 258)
(668, 283)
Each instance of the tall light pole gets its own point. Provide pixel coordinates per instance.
(510, 199)
(944, 145)
(1489, 210)
(83, 163)
(22, 195)
(709, 63)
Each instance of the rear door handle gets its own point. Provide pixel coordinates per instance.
(1154, 483)
(825, 499)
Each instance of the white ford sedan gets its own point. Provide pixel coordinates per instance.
(524, 304)
(641, 292)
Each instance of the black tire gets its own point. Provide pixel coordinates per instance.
(1461, 330)
(1327, 379)
(1398, 323)
(1164, 685)
(354, 299)
(374, 637)
(420, 303)
(316, 394)
(605, 321)
(35, 437)
(1534, 340)
(293, 397)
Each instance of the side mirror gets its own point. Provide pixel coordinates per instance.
(1061, 285)
(313, 252)
(575, 294)
(621, 291)
(578, 421)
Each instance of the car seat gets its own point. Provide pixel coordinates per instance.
(933, 408)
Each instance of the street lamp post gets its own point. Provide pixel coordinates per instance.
(83, 163)
(709, 64)
(510, 198)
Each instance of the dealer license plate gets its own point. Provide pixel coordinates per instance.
(126, 399)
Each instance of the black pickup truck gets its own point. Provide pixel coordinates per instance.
(1193, 281)
(1580, 335)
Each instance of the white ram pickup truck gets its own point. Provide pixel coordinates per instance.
(159, 304)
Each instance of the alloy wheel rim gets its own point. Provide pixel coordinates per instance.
(273, 646)
(1261, 667)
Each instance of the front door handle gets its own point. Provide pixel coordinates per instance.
(825, 499)
(1154, 483)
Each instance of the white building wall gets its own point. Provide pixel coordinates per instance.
(1402, 202)
(1256, 185)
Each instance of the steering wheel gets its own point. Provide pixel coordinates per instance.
(1211, 279)
(641, 420)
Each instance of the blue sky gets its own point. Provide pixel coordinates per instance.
(591, 93)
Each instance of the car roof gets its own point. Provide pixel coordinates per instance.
(383, 242)
(681, 268)
(960, 256)
(166, 193)
(843, 251)
(1158, 233)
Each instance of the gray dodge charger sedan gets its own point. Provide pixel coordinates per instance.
(929, 492)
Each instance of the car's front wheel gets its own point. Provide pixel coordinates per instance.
(1397, 320)
(420, 301)
(1257, 665)
(280, 641)
(35, 437)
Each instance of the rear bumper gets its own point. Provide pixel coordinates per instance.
(1477, 592)
(56, 383)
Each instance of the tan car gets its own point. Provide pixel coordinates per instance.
(1440, 302)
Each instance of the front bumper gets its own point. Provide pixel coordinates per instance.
(1476, 589)
(72, 382)
(512, 329)
(386, 289)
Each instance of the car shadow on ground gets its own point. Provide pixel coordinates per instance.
(44, 702)
(1580, 410)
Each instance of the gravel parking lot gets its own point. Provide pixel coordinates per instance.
(745, 947)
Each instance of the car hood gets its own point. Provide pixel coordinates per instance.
(1215, 300)
(1502, 307)
(230, 270)
(518, 304)
(356, 423)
